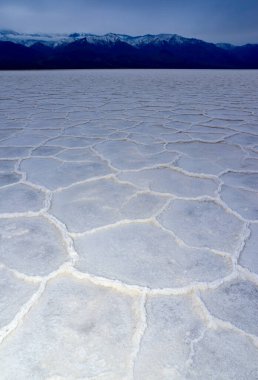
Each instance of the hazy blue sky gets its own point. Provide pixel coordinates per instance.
(233, 21)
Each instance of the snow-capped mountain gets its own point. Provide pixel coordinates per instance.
(86, 50)
(54, 40)
(157, 39)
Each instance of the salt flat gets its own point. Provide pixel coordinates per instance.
(129, 225)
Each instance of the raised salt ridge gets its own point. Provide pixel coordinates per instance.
(129, 225)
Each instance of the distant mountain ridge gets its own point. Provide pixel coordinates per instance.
(54, 40)
(85, 50)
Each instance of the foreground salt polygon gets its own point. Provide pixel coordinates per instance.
(128, 225)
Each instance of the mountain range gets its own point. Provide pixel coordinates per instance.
(84, 50)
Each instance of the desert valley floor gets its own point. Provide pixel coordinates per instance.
(129, 225)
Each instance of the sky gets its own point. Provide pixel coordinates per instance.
(233, 21)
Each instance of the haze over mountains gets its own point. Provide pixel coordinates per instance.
(82, 50)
